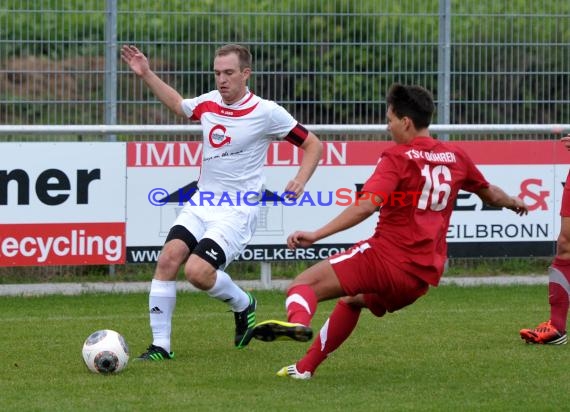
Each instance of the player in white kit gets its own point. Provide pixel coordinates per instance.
(216, 226)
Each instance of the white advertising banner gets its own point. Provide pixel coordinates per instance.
(161, 175)
(62, 203)
(111, 203)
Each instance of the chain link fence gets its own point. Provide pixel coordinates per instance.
(329, 62)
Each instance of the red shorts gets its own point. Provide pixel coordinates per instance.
(364, 269)
(565, 206)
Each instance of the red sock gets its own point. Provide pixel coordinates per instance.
(301, 304)
(559, 275)
(334, 332)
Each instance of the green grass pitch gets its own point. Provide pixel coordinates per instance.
(455, 349)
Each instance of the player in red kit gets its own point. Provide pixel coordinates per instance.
(553, 332)
(416, 183)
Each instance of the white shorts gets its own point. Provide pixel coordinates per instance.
(230, 226)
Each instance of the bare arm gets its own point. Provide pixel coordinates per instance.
(349, 217)
(312, 151)
(495, 196)
(138, 63)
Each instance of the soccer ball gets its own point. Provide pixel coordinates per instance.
(105, 351)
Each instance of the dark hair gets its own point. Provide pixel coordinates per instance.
(414, 102)
(242, 52)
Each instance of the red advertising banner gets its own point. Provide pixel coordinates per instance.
(38, 244)
(360, 153)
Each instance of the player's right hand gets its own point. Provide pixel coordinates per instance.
(136, 60)
(301, 239)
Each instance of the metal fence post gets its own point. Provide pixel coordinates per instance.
(111, 75)
(266, 275)
(444, 65)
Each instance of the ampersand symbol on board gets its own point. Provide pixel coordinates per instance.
(539, 198)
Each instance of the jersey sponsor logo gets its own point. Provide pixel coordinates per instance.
(218, 136)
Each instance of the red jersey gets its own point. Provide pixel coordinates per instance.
(419, 183)
(565, 206)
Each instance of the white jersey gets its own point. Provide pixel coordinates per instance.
(236, 139)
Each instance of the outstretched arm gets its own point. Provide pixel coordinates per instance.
(138, 63)
(349, 217)
(495, 196)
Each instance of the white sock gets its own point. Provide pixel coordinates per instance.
(227, 291)
(161, 304)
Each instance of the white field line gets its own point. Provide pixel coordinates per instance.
(137, 287)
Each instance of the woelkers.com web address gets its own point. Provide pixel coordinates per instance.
(256, 253)
(283, 253)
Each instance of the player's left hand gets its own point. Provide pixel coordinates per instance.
(519, 207)
(294, 189)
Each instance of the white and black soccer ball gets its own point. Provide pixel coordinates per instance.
(105, 351)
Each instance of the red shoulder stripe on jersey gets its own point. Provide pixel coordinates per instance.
(248, 99)
(297, 135)
(213, 107)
